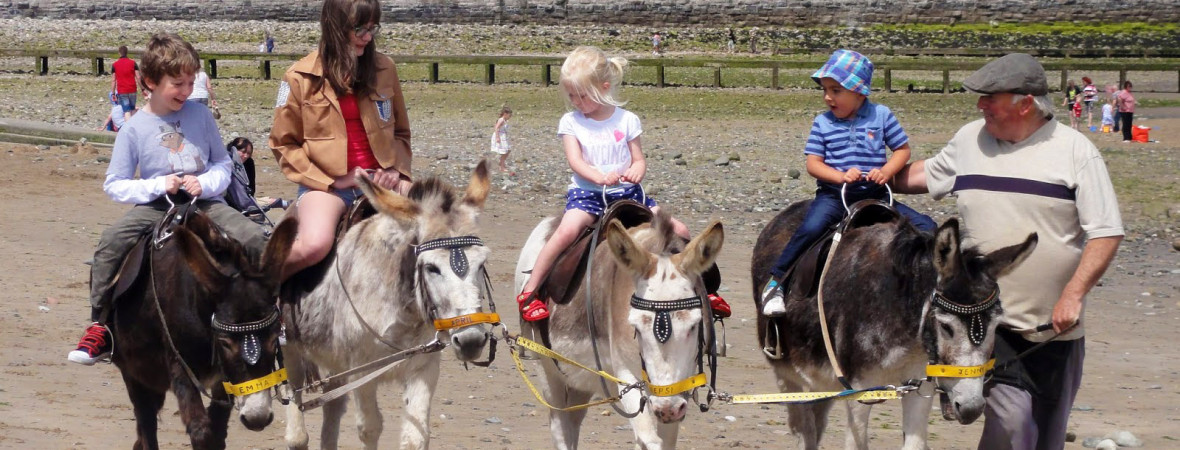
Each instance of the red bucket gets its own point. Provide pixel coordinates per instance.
(1139, 133)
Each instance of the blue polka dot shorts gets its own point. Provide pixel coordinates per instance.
(591, 201)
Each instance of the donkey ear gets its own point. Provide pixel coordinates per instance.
(279, 246)
(947, 258)
(702, 251)
(627, 251)
(387, 202)
(203, 267)
(477, 189)
(1002, 261)
(204, 229)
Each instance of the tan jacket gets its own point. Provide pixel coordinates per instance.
(309, 137)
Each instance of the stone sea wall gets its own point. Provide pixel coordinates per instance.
(798, 13)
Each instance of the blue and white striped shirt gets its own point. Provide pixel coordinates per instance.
(859, 141)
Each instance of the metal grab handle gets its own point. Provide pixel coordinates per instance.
(844, 201)
(642, 196)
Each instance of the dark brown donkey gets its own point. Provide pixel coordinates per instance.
(221, 326)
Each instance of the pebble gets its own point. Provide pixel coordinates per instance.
(43, 308)
(722, 161)
(730, 419)
(1083, 408)
(1176, 244)
(493, 420)
(1091, 442)
(793, 173)
(1107, 444)
(1124, 439)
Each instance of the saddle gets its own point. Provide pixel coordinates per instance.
(803, 276)
(307, 279)
(569, 269)
(131, 268)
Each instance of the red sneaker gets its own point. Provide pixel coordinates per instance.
(720, 306)
(94, 346)
(534, 310)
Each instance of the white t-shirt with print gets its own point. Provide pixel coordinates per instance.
(604, 143)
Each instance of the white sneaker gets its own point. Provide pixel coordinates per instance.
(772, 300)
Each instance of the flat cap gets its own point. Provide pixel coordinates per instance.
(1017, 73)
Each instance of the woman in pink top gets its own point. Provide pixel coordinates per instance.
(1125, 102)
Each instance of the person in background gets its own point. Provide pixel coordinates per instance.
(115, 119)
(243, 151)
(125, 81)
(340, 113)
(656, 42)
(1089, 96)
(500, 144)
(269, 43)
(1108, 115)
(1125, 103)
(1114, 90)
(1014, 172)
(203, 90)
(1072, 91)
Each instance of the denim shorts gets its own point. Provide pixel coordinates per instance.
(591, 201)
(126, 101)
(349, 195)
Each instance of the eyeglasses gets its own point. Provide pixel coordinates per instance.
(362, 31)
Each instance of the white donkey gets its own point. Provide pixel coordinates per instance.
(393, 274)
(647, 315)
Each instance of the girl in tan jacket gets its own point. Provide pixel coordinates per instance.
(339, 112)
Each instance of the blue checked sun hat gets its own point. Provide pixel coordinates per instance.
(852, 70)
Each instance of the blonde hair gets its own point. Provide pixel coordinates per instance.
(587, 68)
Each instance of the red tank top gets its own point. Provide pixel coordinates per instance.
(359, 152)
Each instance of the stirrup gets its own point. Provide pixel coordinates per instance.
(534, 310)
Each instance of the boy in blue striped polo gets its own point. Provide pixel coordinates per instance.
(847, 146)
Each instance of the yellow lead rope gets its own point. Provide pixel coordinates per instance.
(542, 350)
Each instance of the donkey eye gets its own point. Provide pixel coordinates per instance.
(432, 269)
(226, 344)
(947, 330)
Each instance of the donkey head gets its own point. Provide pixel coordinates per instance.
(666, 310)
(448, 260)
(960, 325)
(245, 320)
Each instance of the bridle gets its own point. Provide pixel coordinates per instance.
(460, 265)
(976, 332)
(662, 330)
(252, 352)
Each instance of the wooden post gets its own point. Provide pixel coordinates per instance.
(433, 73)
(946, 81)
(774, 78)
(888, 80)
(489, 75)
(1064, 79)
(99, 67)
(717, 77)
(1122, 78)
(42, 65)
(1178, 81)
(264, 69)
(546, 78)
(211, 68)
(660, 75)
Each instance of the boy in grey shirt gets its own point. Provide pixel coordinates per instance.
(174, 144)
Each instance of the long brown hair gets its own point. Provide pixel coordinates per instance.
(343, 72)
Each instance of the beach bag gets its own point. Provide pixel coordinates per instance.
(1139, 133)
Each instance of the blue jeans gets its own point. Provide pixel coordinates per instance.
(126, 101)
(827, 210)
(349, 195)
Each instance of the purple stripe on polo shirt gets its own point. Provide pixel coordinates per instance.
(1013, 185)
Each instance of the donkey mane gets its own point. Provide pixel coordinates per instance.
(661, 238)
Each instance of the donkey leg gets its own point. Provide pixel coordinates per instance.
(857, 435)
(192, 413)
(915, 415)
(645, 426)
(296, 434)
(333, 412)
(147, 404)
(219, 411)
(368, 417)
(419, 390)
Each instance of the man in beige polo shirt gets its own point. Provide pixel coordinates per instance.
(1017, 170)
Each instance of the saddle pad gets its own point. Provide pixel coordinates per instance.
(570, 266)
(805, 273)
(129, 271)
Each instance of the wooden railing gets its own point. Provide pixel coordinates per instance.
(886, 61)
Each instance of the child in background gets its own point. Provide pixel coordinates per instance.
(601, 142)
(1076, 112)
(173, 145)
(1089, 96)
(1108, 115)
(500, 143)
(846, 147)
(116, 118)
(1072, 91)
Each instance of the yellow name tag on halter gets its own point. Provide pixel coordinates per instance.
(257, 384)
(465, 320)
(810, 396)
(938, 370)
(669, 390)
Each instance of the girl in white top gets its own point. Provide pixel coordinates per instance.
(601, 142)
(500, 137)
(202, 90)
